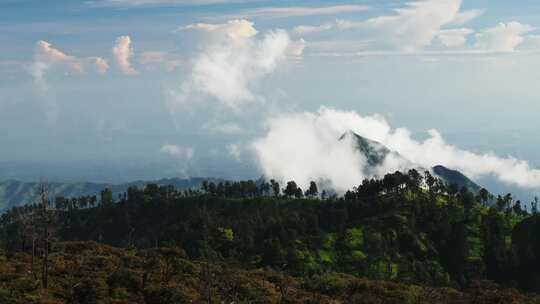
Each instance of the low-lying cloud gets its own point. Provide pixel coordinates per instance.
(305, 146)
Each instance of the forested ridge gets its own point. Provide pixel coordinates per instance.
(405, 238)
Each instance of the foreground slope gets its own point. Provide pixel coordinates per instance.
(88, 272)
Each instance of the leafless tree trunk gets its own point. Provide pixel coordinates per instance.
(44, 195)
(33, 256)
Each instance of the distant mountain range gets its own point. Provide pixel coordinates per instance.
(376, 153)
(14, 193)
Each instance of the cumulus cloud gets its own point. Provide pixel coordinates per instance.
(232, 61)
(46, 57)
(102, 66)
(504, 37)
(306, 146)
(122, 52)
(415, 26)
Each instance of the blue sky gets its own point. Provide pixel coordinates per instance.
(114, 90)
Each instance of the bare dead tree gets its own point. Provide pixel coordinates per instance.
(46, 236)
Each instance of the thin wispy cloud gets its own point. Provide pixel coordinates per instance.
(466, 16)
(150, 3)
(298, 11)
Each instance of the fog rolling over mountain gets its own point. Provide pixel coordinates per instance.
(377, 154)
(16, 193)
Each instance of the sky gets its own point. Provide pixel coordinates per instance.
(118, 90)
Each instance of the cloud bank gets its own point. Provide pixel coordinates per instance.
(305, 146)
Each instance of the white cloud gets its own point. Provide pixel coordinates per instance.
(122, 52)
(310, 29)
(101, 65)
(305, 146)
(232, 61)
(454, 37)
(46, 57)
(504, 37)
(147, 3)
(415, 26)
(234, 30)
(284, 12)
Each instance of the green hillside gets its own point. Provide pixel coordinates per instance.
(390, 230)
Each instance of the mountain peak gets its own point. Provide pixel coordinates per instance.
(376, 153)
